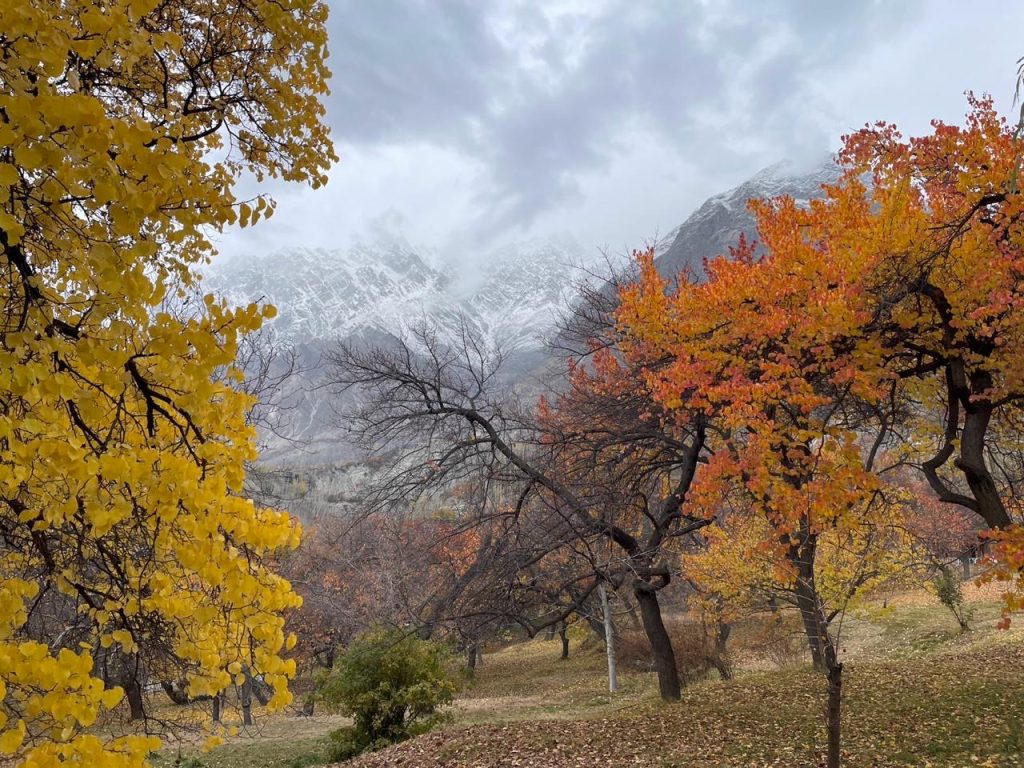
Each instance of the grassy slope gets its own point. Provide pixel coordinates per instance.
(917, 693)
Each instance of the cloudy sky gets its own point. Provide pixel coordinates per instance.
(463, 123)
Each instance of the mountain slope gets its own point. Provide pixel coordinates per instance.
(718, 223)
(372, 292)
(386, 287)
(512, 297)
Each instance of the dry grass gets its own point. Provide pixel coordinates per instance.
(918, 693)
(529, 681)
(960, 705)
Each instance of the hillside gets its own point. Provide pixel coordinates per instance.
(918, 693)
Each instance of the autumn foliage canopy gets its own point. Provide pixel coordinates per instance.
(124, 127)
(876, 328)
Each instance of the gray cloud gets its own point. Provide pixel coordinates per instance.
(491, 117)
(541, 96)
(409, 70)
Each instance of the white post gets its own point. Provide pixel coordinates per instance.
(609, 639)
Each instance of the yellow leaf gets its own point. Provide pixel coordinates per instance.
(112, 697)
(8, 175)
(10, 741)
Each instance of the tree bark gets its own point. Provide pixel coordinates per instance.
(133, 692)
(721, 658)
(971, 462)
(563, 632)
(245, 696)
(823, 649)
(472, 654)
(260, 689)
(609, 639)
(813, 639)
(175, 692)
(834, 714)
(216, 708)
(669, 684)
(808, 602)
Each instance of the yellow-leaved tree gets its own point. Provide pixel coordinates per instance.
(127, 554)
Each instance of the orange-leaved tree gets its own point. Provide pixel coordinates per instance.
(797, 430)
(882, 320)
(943, 243)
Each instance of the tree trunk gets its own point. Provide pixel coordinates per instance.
(661, 644)
(471, 658)
(216, 708)
(563, 632)
(175, 692)
(260, 689)
(813, 640)
(308, 705)
(965, 562)
(833, 714)
(325, 656)
(823, 650)
(971, 462)
(133, 692)
(721, 658)
(245, 696)
(609, 639)
(808, 602)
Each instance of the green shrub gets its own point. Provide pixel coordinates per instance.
(311, 759)
(950, 593)
(394, 686)
(345, 743)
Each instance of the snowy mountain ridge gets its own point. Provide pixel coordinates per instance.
(388, 287)
(718, 222)
(512, 297)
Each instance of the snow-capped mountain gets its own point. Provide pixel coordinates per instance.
(524, 290)
(512, 297)
(718, 223)
(387, 287)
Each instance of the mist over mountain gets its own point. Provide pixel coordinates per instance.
(388, 286)
(513, 298)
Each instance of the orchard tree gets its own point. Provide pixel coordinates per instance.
(881, 325)
(632, 464)
(741, 568)
(124, 127)
(913, 284)
(940, 249)
(795, 441)
(596, 477)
